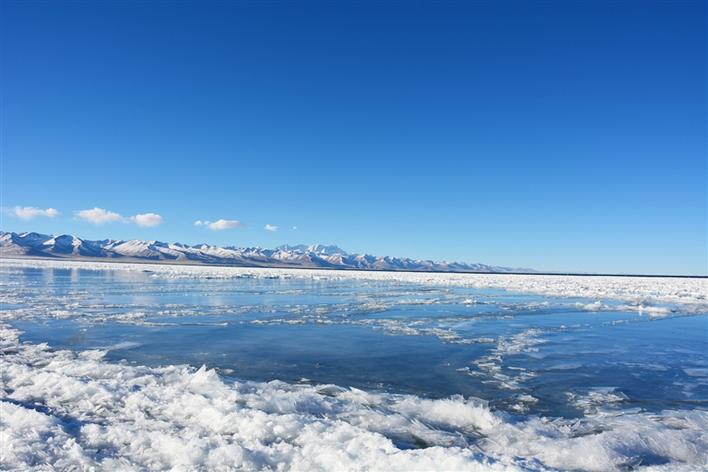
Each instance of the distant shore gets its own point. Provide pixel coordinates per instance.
(131, 260)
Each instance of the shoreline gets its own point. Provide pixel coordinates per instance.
(176, 263)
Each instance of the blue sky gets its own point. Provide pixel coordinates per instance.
(554, 135)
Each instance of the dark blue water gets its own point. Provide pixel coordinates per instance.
(523, 353)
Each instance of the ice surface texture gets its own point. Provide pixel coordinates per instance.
(74, 410)
(638, 290)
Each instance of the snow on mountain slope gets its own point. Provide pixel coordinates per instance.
(65, 244)
(312, 256)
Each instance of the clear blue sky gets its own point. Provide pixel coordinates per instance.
(555, 135)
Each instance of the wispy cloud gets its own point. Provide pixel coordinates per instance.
(219, 224)
(271, 228)
(28, 212)
(99, 216)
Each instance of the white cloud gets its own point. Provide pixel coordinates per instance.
(147, 220)
(99, 216)
(220, 224)
(294, 228)
(27, 213)
(271, 228)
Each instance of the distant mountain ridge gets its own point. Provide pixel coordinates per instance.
(313, 256)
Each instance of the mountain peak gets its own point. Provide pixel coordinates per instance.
(310, 256)
(319, 249)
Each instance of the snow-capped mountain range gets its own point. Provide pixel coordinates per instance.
(312, 256)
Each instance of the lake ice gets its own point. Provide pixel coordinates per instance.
(136, 366)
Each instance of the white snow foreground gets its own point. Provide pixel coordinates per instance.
(690, 293)
(65, 410)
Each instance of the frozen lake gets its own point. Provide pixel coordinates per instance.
(331, 370)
